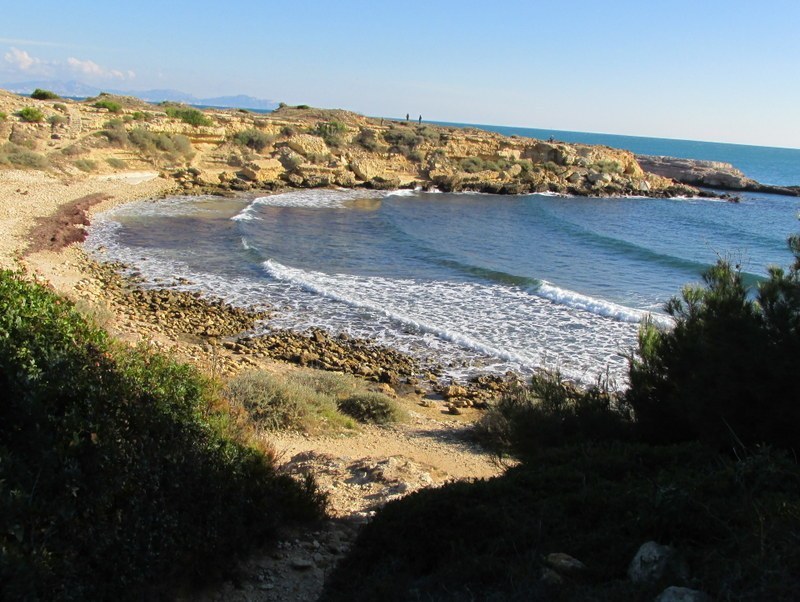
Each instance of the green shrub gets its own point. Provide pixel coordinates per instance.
(727, 372)
(40, 94)
(73, 150)
(115, 133)
(3, 116)
(19, 156)
(118, 479)
(153, 144)
(60, 106)
(368, 138)
(332, 132)
(86, 165)
(288, 131)
(190, 116)
(371, 407)
(275, 403)
(551, 411)
(302, 107)
(31, 114)
(56, 120)
(608, 166)
(108, 104)
(253, 139)
(141, 116)
(117, 163)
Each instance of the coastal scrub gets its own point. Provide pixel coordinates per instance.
(121, 476)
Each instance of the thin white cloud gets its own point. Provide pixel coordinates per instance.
(21, 60)
(92, 69)
(18, 42)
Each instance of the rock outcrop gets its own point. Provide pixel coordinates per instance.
(710, 174)
(235, 150)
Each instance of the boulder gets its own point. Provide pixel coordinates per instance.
(564, 563)
(682, 594)
(654, 562)
(307, 145)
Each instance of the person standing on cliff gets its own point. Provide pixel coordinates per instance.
(407, 116)
(420, 118)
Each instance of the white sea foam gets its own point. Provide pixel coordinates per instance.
(599, 306)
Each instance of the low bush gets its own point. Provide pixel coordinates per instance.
(117, 163)
(332, 132)
(288, 131)
(368, 138)
(110, 105)
(141, 116)
(118, 479)
(60, 106)
(275, 403)
(253, 139)
(40, 94)
(3, 116)
(726, 374)
(174, 147)
(550, 412)
(371, 407)
(31, 115)
(190, 116)
(115, 133)
(351, 395)
(56, 120)
(73, 150)
(86, 165)
(20, 156)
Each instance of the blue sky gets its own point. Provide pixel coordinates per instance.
(702, 70)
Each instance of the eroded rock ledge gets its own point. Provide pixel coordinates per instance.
(711, 174)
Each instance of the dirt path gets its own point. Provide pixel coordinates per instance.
(359, 473)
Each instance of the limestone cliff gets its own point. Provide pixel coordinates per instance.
(306, 147)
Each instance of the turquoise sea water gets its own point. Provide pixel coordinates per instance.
(479, 282)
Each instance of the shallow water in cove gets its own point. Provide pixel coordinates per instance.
(478, 282)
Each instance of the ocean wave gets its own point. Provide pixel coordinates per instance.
(599, 306)
(319, 198)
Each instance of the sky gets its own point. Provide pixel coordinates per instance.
(697, 70)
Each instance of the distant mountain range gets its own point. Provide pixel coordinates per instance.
(80, 90)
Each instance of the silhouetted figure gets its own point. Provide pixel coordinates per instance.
(407, 116)
(551, 139)
(420, 118)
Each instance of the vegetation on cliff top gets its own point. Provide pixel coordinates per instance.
(122, 474)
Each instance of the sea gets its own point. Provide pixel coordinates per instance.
(473, 283)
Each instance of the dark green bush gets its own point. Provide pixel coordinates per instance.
(3, 116)
(368, 138)
(31, 115)
(551, 411)
(118, 479)
(372, 407)
(108, 104)
(40, 94)
(727, 372)
(190, 116)
(253, 139)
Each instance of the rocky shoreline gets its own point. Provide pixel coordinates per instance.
(224, 337)
(711, 174)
